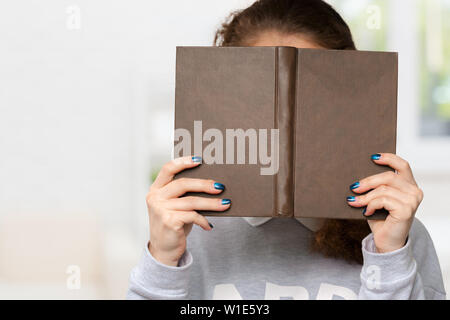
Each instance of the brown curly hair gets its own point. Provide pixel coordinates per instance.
(318, 21)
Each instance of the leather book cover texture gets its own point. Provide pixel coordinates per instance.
(286, 130)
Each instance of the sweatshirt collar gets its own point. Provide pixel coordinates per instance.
(312, 224)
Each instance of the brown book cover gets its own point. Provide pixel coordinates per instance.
(286, 130)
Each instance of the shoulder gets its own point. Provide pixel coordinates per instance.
(421, 242)
(419, 232)
(425, 255)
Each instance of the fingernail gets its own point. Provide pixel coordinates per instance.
(351, 199)
(219, 186)
(364, 211)
(196, 159)
(226, 201)
(211, 225)
(375, 156)
(354, 185)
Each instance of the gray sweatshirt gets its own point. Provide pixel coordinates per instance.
(273, 261)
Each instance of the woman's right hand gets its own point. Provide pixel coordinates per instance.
(171, 217)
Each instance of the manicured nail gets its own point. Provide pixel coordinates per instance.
(219, 186)
(196, 159)
(226, 201)
(364, 211)
(354, 185)
(351, 199)
(375, 156)
(211, 225)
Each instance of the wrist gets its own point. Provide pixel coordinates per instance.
(390, 247)
(162, 257)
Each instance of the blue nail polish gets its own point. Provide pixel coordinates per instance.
(219, 186)
(211, 225)
(376, 156)
(364, 211)
(196, 159)
(354, 185)
(226, 201)
(351, 199)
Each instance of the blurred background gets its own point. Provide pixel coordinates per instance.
(86, 120)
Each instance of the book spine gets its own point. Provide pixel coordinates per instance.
(285, 78)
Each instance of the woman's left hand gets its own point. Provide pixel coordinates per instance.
(396, 192)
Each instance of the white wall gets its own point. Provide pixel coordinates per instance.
(83, 109)
(76, 104)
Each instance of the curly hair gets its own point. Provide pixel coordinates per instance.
(318, 21)
(313, 18)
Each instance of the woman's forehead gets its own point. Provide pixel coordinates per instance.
(275, 38)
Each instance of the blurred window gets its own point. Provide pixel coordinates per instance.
(368, 22)
(434, 67)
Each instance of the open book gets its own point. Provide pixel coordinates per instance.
(286, 130)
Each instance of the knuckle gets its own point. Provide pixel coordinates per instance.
(405, 164)
(149, 198)
(153, 200)
(419, 194)
(167, 219)
(167, 167)
(383, 188)
(164, 168)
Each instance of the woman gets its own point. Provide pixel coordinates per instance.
(257, 258)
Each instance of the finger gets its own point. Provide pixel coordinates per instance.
(394, 161)
(389, 203)
(178, 187)
(186, 217)
(381, 191)
(198, 203)
(387, 178)
(171, 168)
